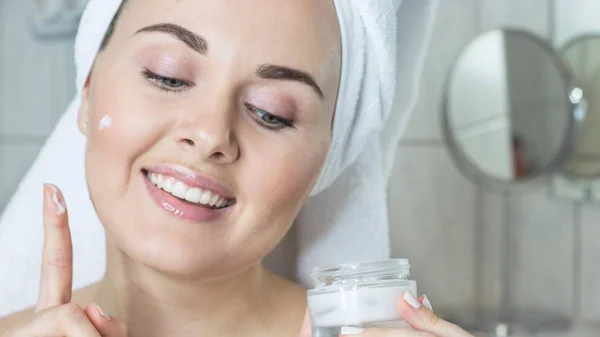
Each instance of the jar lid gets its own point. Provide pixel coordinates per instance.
(355, 272)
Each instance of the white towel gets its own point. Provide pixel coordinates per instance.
(346, 217)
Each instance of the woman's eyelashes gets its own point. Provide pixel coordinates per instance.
(269, 120)
(262, 117)
(168, 84)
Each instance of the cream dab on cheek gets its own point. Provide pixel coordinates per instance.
(105, 122)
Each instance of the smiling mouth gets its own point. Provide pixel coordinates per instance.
(192, 195)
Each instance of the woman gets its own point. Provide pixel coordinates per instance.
(208, 125)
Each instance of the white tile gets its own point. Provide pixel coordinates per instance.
(530, 15)
(491, 214)
(15, 160)
(590, 257)
(456, 24)
(432, 224)
(543, 253)
(35, 90)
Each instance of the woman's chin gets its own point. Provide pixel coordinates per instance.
(179, 258)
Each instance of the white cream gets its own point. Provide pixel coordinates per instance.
(358, 307)
(60, 208)
(182, 191)
(105, 122)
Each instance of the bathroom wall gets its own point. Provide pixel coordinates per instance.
(451, 228)
(36, 83)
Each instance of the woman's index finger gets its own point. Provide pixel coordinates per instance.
(57, 257)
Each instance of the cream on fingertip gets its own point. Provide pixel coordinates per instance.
(58, 205)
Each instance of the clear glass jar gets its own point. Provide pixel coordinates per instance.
(358, 295)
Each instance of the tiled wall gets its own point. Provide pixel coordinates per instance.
(444, 223)
(36, 83)
(433, 206)
(451, 228)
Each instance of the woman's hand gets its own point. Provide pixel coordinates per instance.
(55, 315)
(416, 312)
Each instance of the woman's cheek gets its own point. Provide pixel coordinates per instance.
(118, 136)
(124, 126)
(288, 171)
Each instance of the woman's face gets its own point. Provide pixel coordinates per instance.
(209, 122)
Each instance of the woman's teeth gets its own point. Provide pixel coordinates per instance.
(182, 191)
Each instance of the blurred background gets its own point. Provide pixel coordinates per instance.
(454, 227)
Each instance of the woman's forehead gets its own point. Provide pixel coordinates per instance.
(302, 34)
(300, 22)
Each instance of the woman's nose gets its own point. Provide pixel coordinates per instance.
(212, 139)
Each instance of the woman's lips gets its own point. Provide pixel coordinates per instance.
(183, 209)
(191, 179)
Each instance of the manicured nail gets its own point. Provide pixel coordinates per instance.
(426, 303)
(105, 315)
(351, 330)
(412, 300)
(47, 198)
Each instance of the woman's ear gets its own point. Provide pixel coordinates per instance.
(84, 115)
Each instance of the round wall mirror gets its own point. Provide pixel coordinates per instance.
(582, 54)
(508, 117)
(507, 113)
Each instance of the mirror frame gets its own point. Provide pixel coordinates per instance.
(470, 169)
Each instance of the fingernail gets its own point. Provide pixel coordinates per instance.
(426, 303)
(47, 198)
(412, 300)
(105, 315)
(351, 330)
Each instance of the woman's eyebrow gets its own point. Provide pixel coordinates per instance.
(274, 72)
(266, 71)
(191, 39)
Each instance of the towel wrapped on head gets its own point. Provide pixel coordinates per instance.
(346, 217)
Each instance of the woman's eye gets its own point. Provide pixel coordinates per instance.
(268, 120)
(166, 83)
(172, 83)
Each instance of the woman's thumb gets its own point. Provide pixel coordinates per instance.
(418, 314)
(106, 325)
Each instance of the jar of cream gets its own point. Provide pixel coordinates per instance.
(358, 295)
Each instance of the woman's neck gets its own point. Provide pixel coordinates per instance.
(153, 304)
